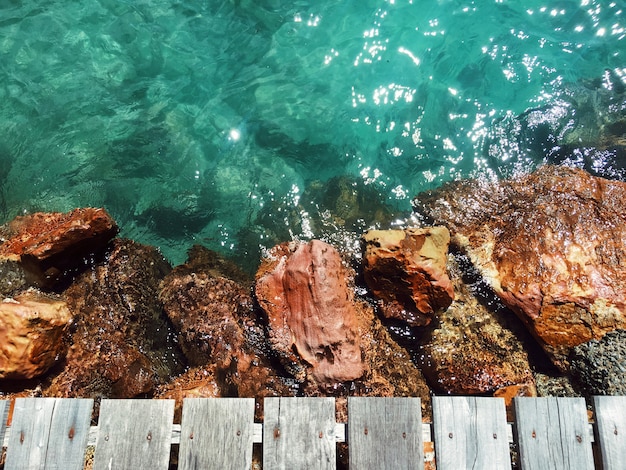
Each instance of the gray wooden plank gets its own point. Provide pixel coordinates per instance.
(299, 433)
(553, 433)
(471, 433)
(610, 414)
(4, 412)
(48, 433)
(216, 433)
(134, 434)
(385, 433)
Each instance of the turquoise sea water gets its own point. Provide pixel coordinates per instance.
(224, 123)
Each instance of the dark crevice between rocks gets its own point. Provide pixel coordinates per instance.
(538, 359)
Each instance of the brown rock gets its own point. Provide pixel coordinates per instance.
(471, 349)
(122, 345)
(218, 331)
(551, 244)
(303, 289)
(204, 310)
(390, 371)
(406, 269)
(32, 328)
(48, 244)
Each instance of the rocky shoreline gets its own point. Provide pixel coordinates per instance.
(506, 289)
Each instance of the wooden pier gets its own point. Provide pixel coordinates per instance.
(301, 433)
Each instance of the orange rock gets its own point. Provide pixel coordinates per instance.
(303, 289)
(550, 244)
(512, 391)
(47, 244)
(32, 327)
(406, 269)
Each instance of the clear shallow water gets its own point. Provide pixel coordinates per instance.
(223, 123)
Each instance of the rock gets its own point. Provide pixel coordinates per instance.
(13, 278)
(389, 369)
(32, 330)
(218, 331)
(551, 245)
(406, 269)
(48, 245)
(122, 345)
(554, 385)
(471, 349)
(600, 365)
(204, 310)
(312, 319)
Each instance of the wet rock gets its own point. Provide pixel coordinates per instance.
(122, 345)
(312, 319)
(204, 310)
(471, 349)
(600, 365)
(48, 245)
(406, 269)
(550, 244)
(218, 331)
(13, 278)
(32, 329)
(389, 368)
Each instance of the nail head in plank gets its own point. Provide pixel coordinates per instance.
(385, 433)
(299, 433)
(610, 413)
(470, 432)
(216, 433)
(553, 433)
(49, 433)
(134, 434)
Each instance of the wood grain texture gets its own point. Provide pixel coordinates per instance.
(553, 433)
(49, 433)
(216, 433)
(299, 433)
(134, 434)
(4, 412)
(610, 413)
(470, 433)
(385, 433)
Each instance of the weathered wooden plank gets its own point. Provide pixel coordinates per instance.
(471, 433)
(610, 413)
(4, 412)
(134, 434)
(385, 433)
(299, 433)
(48, 433)
(553, 433)
(216, 433)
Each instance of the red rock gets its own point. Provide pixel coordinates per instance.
(47, 244)
(303, 289)
(32, 331)
(406, 269)
(551, 244)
